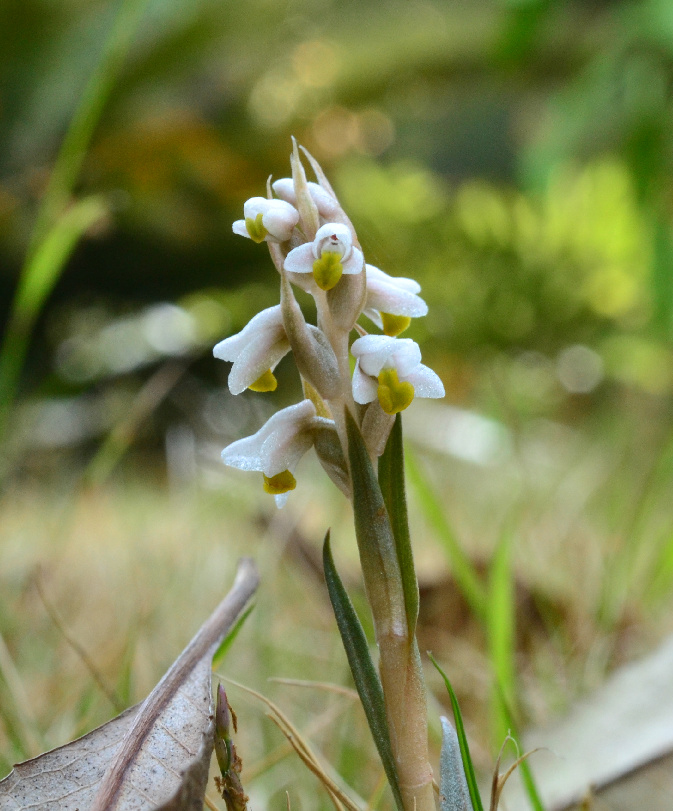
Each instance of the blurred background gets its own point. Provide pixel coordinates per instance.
(515, 158)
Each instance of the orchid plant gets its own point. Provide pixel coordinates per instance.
(353, 421)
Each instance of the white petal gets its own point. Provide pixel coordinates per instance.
(268, 320)
(333, 236)
(249, 453)
(279, 219)
(326, 204)
(373, 351)
(282, 451)
(425, 382)
(281, 499)
(301, 259)
(400, 282)
(239, 228)
(386, 296)
(256, 358)
(406, 356)
(355, 262)
(255, 206)
(374, 316)
(365, 388)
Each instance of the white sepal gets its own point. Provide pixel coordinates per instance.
(392, 294)
(278, 445)
(326, 204)
(257, 348)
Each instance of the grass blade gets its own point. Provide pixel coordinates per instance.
(37, 281)
(502, 637)
(462, 741)
(361, 665)
(391, 481)
(464, 572)
(228, 640)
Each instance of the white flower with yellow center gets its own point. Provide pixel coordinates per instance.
(277, 447)
(255, 352)
(390, 370)
(266, 220)
(330, 255)
(392, 301)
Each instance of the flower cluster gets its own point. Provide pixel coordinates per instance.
(314, 246)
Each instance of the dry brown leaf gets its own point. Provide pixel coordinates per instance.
(618, 741)
(154, 756)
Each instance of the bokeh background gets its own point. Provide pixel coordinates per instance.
(515, 158)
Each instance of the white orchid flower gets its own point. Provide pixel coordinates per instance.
(392, 301)
(329, 255)
(277, 447)
(270, 220)
(255, 352)
(326, 204)
(390, 369)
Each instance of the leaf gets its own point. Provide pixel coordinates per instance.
(502, 636)
(391, 480)
(39, 275)
(376, 544)
(153, 756)
(364, 674)
(618, 740)
(453, 792)
(462, 740)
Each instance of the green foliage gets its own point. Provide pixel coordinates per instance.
(393, 488)
(502, 637)
(221, 653)
(470, 776)
(464, 572)
(364, 673)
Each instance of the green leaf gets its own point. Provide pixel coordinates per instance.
(38, 278)
(228, 640)
(462, 741)
(466, 575)
(502, 635)
(376, 544)
(363, 670)
(391, 481)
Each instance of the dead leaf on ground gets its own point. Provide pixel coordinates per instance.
(154, 756)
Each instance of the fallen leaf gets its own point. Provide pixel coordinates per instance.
(154, 756)
(616, 742)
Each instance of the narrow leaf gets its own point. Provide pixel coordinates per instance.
(464, 572)
(502, 636)
(453, 792)
(374, 534)
(38, 278)
(153, 756)
(462, 741)
(228, 641)
(391, 480)
(361, 665)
